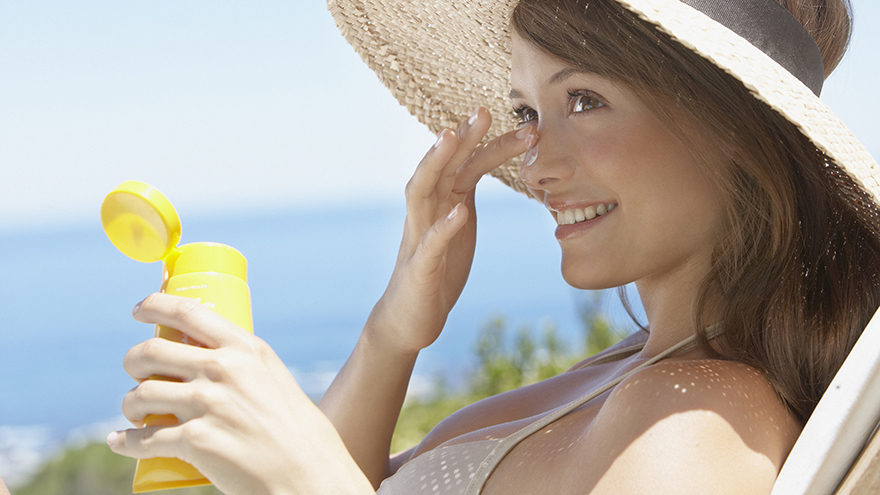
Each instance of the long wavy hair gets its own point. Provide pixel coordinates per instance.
(796, 277)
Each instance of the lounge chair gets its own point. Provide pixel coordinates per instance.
(838, 451)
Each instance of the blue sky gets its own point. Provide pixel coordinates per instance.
(230, 105)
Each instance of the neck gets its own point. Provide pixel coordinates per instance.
(669, 303)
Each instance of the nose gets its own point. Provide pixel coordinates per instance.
(546, 164)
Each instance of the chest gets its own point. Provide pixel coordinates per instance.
(543, 462)
(500, 416)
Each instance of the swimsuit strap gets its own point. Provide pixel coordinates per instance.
(507, 444)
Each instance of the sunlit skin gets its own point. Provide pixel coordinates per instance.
(648, 434)
(600, 144)
(686, 425)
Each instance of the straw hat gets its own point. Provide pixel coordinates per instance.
(443, 58)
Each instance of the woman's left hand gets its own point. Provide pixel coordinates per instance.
(244, 422)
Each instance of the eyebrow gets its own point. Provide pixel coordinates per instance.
(555, 78)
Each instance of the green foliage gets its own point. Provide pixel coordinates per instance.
(502, 363)
(503, 366)
(90, 470)
(598, 333)
(420, 415)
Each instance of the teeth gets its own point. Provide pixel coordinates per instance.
(577, 215)
(590, 212)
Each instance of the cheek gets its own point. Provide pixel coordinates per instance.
(690, 207)
(621, 156)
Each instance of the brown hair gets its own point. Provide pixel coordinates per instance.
(797, 275)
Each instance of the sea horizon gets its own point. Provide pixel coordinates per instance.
(314, 275)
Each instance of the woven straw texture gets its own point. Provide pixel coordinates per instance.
(443, 58)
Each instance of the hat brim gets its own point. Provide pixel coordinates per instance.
(442, 61)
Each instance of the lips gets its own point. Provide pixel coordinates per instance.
(572, 216)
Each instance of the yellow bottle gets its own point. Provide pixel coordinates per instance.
(142, 224)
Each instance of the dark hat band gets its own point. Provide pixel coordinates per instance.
(771, 28)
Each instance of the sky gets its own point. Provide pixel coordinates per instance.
(219, 104)
(231, 106)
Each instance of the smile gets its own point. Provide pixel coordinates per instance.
(577, 215)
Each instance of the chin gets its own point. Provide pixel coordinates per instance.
(589, 281)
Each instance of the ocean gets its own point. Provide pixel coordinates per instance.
(314, 274)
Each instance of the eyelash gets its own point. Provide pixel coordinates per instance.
(520, 112)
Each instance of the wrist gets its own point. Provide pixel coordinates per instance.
(332, 470)
(380, 339)
(381, 336)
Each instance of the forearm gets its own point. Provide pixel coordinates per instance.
(330, 471)
(364, 401)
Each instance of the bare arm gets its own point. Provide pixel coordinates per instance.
(433, 264)
(364, 401)
(244, 421)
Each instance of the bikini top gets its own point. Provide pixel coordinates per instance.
(463, 469)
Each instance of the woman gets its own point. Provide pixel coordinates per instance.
(674, 153)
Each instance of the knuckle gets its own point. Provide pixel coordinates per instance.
(425, 248)
(496, 145)
(185, 307)
(202, 396)
(150, 349)
(259, 347)
(128, 405)
(469, 160)
(145, 351)
(216, 369)
(140, 393)
(195, 435)
(408, 189)
(149, 300)
(128, 362)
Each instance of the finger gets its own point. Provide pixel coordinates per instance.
(160, 357)
(433, 245)
(147, 442)
(160, 397)
(427, 173)
(190, 317)
(490, 156)
(470, 133)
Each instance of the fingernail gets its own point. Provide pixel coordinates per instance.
(439, 139)
(530, 157)
(452, 214)
(137, 307)
(474, 116)
(111, 438)
(523, 133)
(530, 140)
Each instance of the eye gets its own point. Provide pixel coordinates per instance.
(584, 101)
(525, 115)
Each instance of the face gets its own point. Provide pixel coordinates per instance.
(631, 202)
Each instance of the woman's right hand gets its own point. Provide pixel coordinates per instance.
(439, 234)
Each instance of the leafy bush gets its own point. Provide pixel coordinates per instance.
(92, 469)
(501, 365)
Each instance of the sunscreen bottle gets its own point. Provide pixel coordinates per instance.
(141, 223)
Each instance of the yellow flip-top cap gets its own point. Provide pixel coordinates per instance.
(140, 221)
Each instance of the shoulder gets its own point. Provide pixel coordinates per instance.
(696, 425)
(732, 390)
